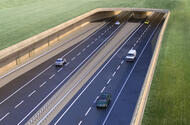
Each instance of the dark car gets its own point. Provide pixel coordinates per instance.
(103, 100)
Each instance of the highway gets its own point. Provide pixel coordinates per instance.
(25, 95)
(123, 80)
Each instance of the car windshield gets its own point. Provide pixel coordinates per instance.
(130, 54)
(102, 97)
(59, 60)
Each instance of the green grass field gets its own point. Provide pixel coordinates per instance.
(169, 101)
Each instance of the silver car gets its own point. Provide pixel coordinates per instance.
(60, 62)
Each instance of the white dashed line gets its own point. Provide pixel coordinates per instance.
(108, 81)
(99, 36)
(43, 84)
(96, 99)
(52, 76)
(67, 63)
(95, 39)
(88, 46)
(78, 53)
(135, 44)
(87, 111)
(83, 49)
(73, 58)
(102, 33)
(122, 61)
(19, 104)
(114, 74)
(59, 69)
(118, 67)
(4, 116)
(92, 42)
(103, 89)
(80, 123)
(31, 93)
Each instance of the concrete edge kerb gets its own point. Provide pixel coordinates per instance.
(142, 100)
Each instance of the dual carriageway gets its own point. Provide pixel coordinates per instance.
(24, 96)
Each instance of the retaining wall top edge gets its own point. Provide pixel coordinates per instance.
(25, 43)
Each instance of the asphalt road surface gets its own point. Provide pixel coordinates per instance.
(123, 80)
(23, 96)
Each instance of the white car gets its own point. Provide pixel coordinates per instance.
(131, 55)
(117, 23)
(60, 62)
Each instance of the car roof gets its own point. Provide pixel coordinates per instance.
(132, 51)
(59, 59)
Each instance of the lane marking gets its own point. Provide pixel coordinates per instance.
(50, 65)
(83, 49)
(72, 87)
(4, 116)
(59, 69)
(118, 67)
(19, 104)
(96, 75)
(92, 42)
(31, 93)
(129, 75)
(122, 61)
(87, 111)
(96, 99)
(43, 84)
(63, 81)
(108, 81)
(80, 123)
(135, 44)
(99, 36)
(78, 53)
(24, 85)
(51, 76)
(114, 74)
(73, 58)
(67, 63)
(88, 46)
(103, 89)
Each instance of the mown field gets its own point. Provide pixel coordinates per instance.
(169, 100)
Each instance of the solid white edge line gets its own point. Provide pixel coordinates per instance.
(48, 66)
(19, 104)
(66, 78)
(129, 75)
(97, 75)
(87, 111)
(4, 116)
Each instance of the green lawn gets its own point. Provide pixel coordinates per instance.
(169, 101)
